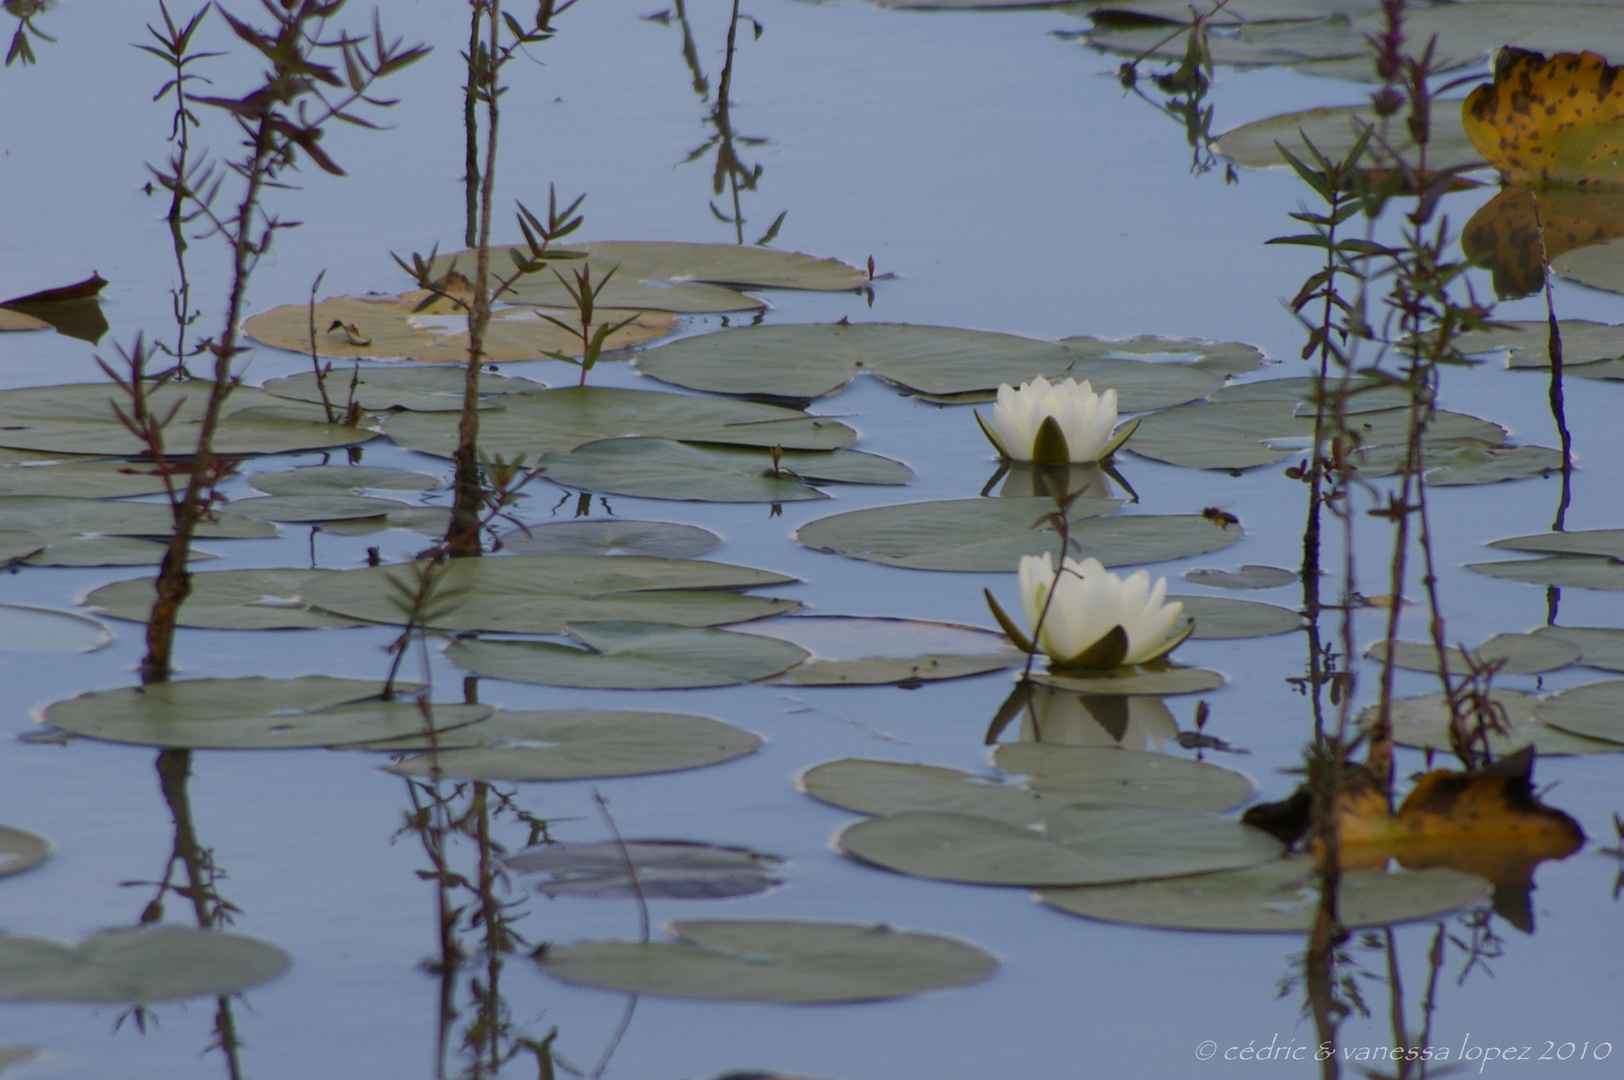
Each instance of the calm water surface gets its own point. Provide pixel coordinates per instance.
(1009, 183)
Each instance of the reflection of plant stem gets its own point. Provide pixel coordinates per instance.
(315, 357)
(1553, 594)
(626, 863)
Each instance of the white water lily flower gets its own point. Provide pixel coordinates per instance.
(1059, 424)
(1089, 603)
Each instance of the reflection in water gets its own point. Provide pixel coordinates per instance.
(194, 864)
(730, 176)
(20, 51)
(1186, 90)
(1507, 233)
(1050, 715)
(1024, 480)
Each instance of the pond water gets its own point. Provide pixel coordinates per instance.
(1010, 184)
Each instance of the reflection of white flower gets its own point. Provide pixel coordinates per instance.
(1060, 716)
(1058, 424)
(1089, 603)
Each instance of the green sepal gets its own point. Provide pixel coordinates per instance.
(1120, 437)
(1049, 445)
(992, 436)
(1022, 642)
(1105, 654)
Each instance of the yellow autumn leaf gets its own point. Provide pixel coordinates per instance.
(1550, 121)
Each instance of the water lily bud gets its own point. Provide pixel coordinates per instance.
(1053, 424)
(1097, 619)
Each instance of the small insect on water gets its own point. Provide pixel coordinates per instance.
(1221, 518)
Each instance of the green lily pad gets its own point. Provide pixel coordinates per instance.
(539, 594)
(659, 539)
(1098, 776)
(1276, 897)
(140, 965)
(631, 656)
(380, 389)
(1219, 617)
(658, 276)
(1489, 465)
(1601, 266)
(1333, 131)
(47, 550)
(82, 479)
(1583, 343)
(225, 600)
(991, 535)
(21, 850)
(1517, 654)
(773, 960)
(79, 419)
(573, 744)
(886, 788)
(1423, 723)
(1163, 682)
(1595, 711)
(1220, 357)
(1566, 571)
(340, 480)
(425, 520)
(312, 508)
(1608, 543)
(1599, 647)
(1083, 845)
(665, 870)
(59, 517)
(1364, 395)
(26, 629)
(852, 651)
(813, 360)
(249, 714)
(1245, 434)
(1249, 577)
(534, 424)
(664, 469)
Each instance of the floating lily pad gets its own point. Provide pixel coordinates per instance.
(1583, 343)
(1567, 571)
(666, 870)
(660, 539)
(249, 714)
(426, 520)
(339, 480)
(54, 517)
(851, 651)
(1489, 465)
(1276, 897)
(539, 594)
(83, 480)
(665, 469)
(1608, 543)
(1245, 434)
(573, 744)
(36, 549)
(533, 424)
(631, 656)
(1516, 654)
(773, 960)
(79, 419)
(1219, 357)
(1595, 711)
(1249, 577)
(991, 535)
(812, 360)
(225, 600)
(312, 508)
(1334, 131)
(1423, 723)
(21, 850)
(1099, 776)
(1601, 266)
(1083, 845)
(1219, 617)
(136, 966)
(656, 276)
(380, 389)
(1363, 396)
(391, 328)
(1600, 647)
(888, 788)
(16, 320)
(41, 630)
(1163, 682)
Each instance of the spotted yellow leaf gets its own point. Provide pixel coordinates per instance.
(1550, 121)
